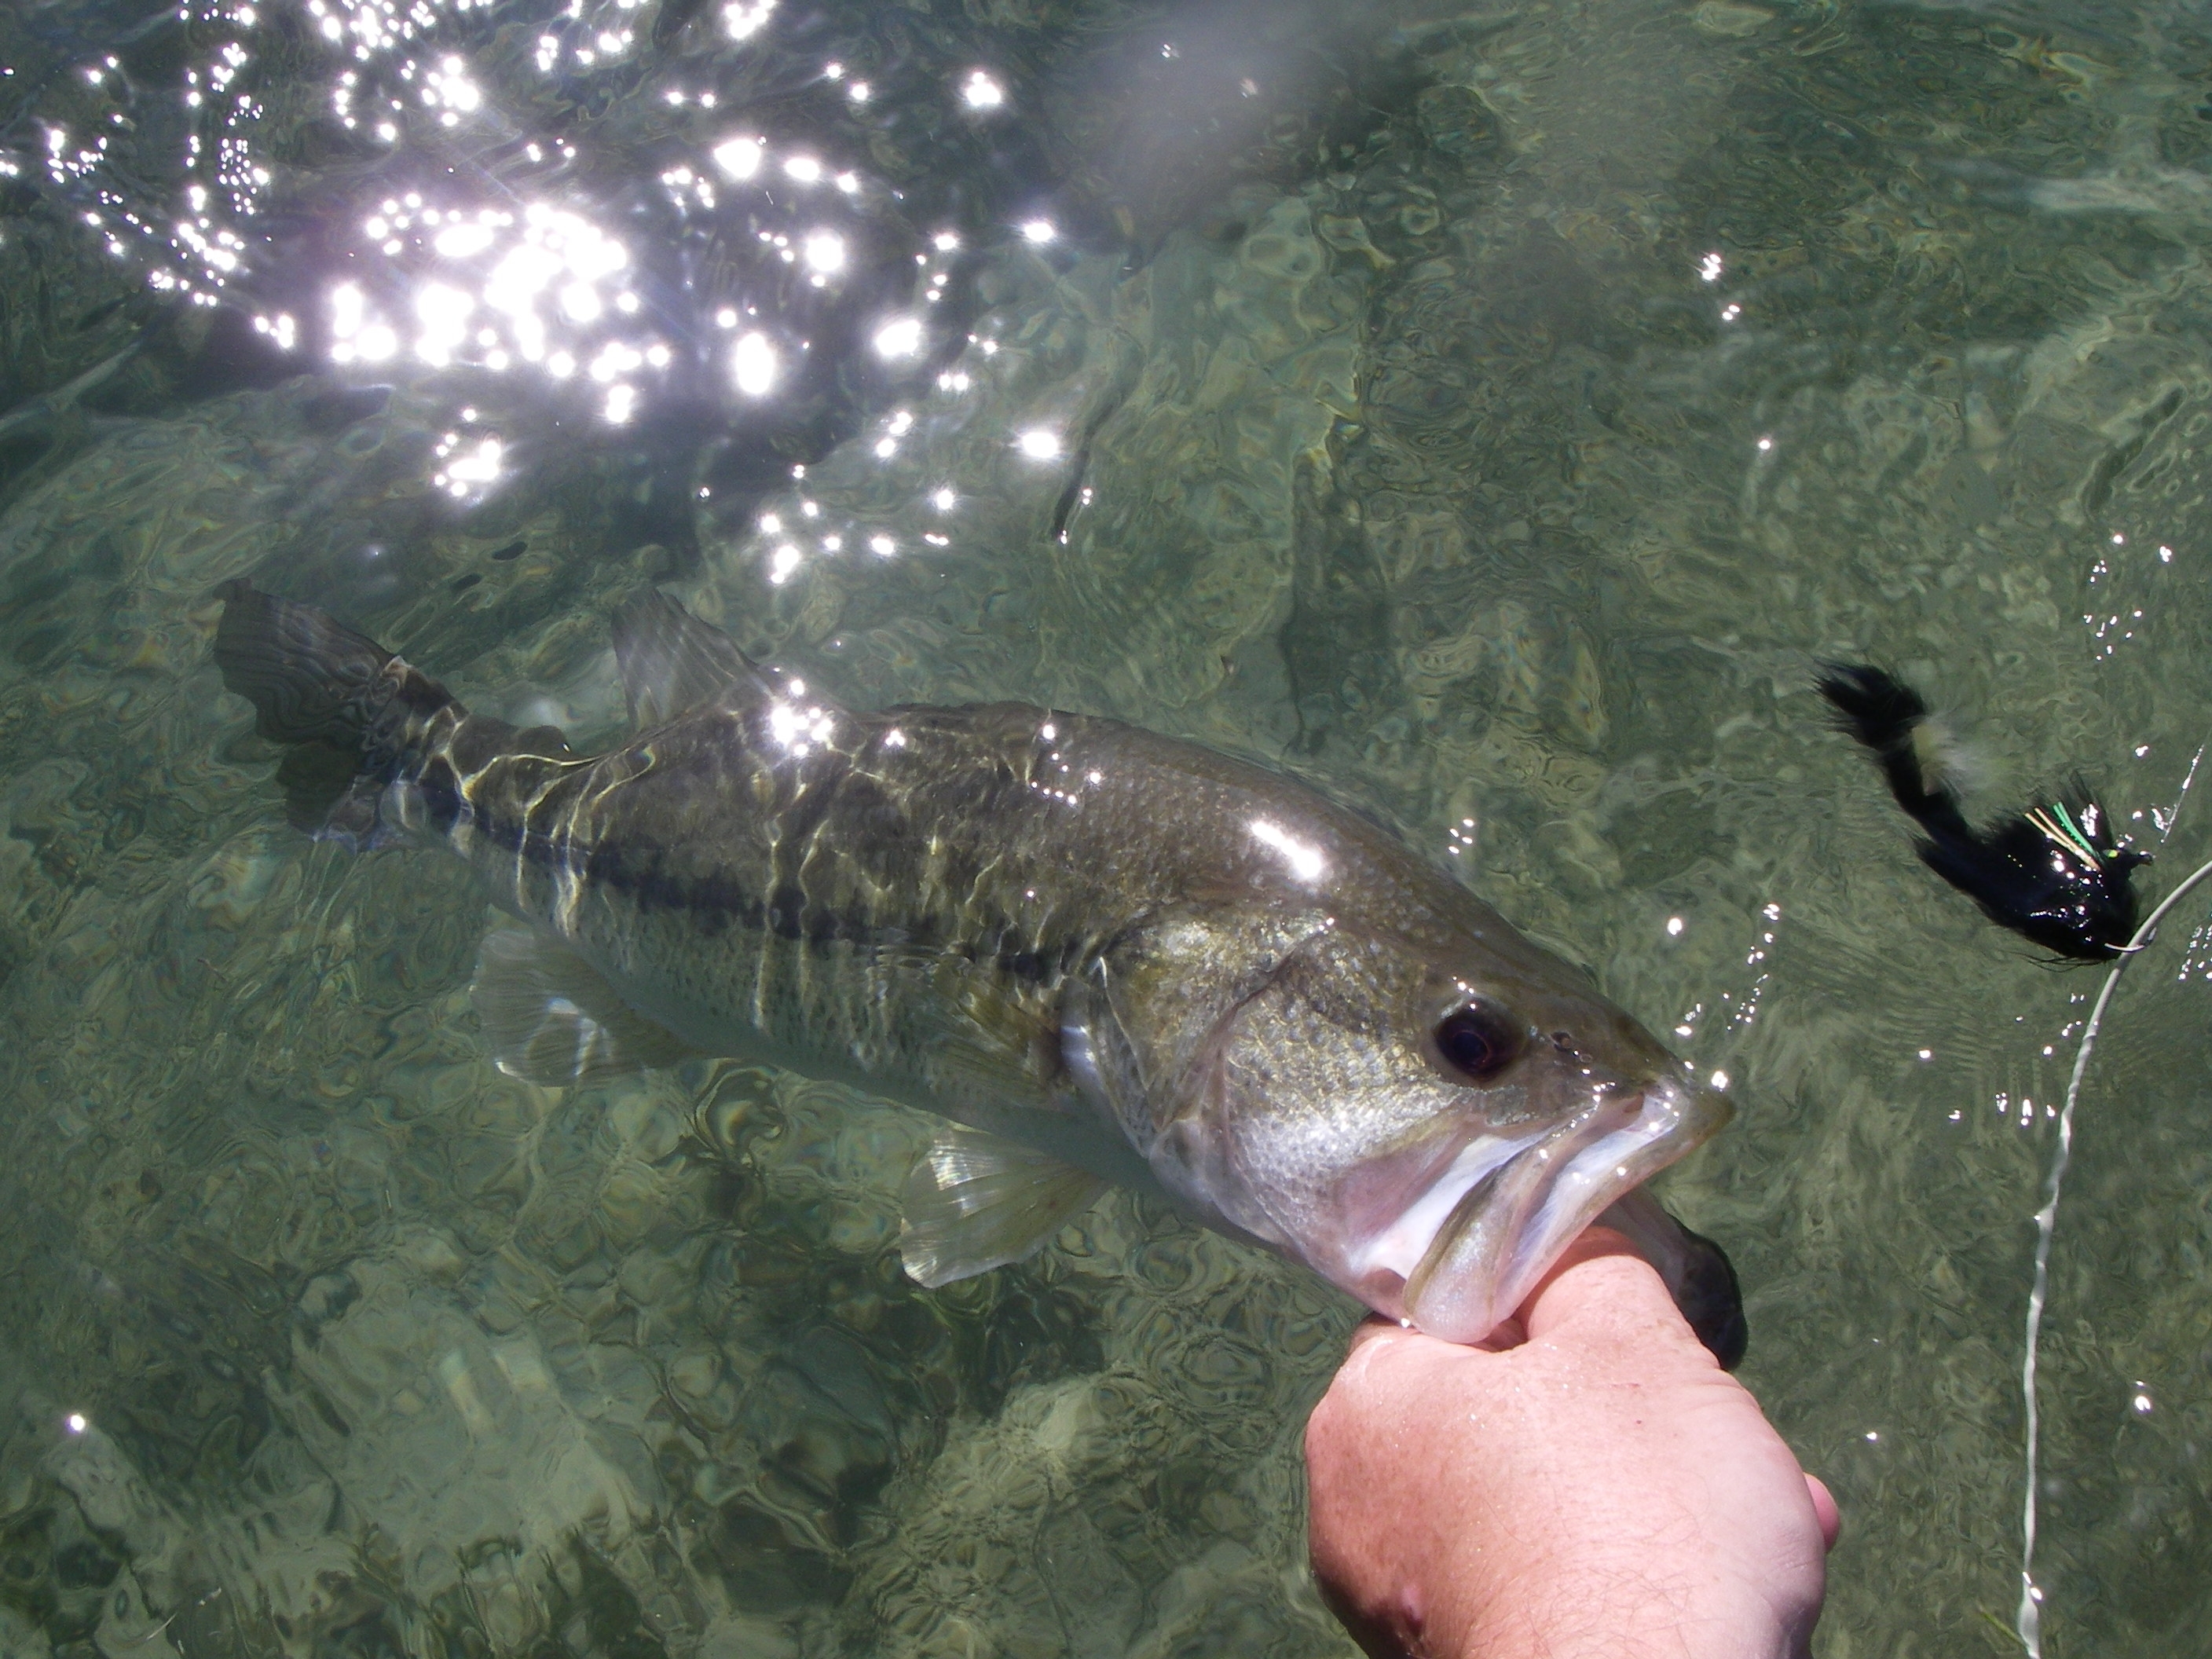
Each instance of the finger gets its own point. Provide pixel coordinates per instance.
(1600, 1280)
(1372, 1329)
(1825, 1511)
(1375, 1340)
(1392, 1334)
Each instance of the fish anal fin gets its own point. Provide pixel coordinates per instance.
(974, 1202)
(670, 662)
(548, 1015)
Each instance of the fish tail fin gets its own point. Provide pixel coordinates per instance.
(1891, 721)
(349, 710)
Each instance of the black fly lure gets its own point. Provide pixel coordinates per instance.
(2054, 874)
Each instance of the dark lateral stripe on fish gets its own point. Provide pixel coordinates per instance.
(637, 869)
(280, 653)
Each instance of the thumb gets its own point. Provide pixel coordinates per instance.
(1600, 1286)
(1825, 1511)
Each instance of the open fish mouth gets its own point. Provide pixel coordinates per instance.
(1507, 1209)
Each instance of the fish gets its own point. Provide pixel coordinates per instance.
(2055, 873)
(1102, 956)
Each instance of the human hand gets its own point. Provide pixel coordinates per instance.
(1590, 1482)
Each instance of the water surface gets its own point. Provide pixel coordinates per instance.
(1491, 415)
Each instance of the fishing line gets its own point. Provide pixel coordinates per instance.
(2028, 1623)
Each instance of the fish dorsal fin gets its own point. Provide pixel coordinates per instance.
(547, 1016)
(974, 1202)
(670, 662)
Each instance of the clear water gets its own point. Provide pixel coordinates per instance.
(1491, 415)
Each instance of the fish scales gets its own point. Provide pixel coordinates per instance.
(706, 855)
(849, 895)
(1163, 966)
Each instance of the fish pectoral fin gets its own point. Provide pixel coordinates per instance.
(548, 1015)
(670, 662)
(974, 1202)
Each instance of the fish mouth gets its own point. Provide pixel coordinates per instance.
(1522, 1204)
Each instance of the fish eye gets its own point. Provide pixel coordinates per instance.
(1477, 1041)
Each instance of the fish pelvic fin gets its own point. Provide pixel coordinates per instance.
(550, 1016)
(670, 662)
(974, 1202)
(349, 711)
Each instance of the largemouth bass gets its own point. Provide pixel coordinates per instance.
(1108, 955)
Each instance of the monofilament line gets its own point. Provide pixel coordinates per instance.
(2029, 1620)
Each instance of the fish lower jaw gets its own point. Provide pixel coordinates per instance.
(1378, 1270)
(1507, 1230)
